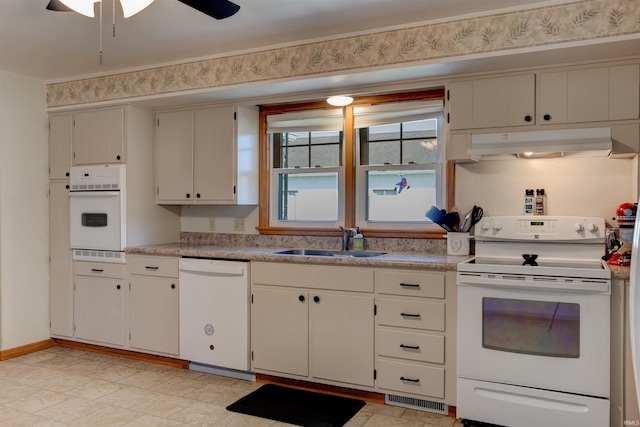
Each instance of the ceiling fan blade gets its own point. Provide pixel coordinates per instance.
(56, 5)
(218, 9)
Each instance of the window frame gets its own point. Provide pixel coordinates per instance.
(349, 164)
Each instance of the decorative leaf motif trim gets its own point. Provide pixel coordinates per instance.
(489, 35)
(583, 17)
(361, 48)
(277, 60)
(408, 45)
(434, 42)
(383, 50)
(616, 16)
(315, 58)
(518, 31)
(459, 36)
(336, 55)
(549, 27)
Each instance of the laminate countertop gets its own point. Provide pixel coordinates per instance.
(391, 259)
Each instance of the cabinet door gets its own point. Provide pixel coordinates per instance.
(624, 92)
(279, 330)
(60, 262)
(490, 103)
(214, 163)
(588, 95)
(341, 335)
(553, 98)
(460, 106)
(98, 137)
(60, 146)
(153, 314)
(174, 179)
(99, 310)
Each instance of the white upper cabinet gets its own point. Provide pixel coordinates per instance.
(491, 103)
(60, 146)
(589, 95)
(99, 136)
(208, 156)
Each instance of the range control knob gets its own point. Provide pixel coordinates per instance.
(578, 227)
(486, 225)
(497, 225)
(592, 228)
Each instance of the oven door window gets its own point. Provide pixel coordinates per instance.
(542, 328)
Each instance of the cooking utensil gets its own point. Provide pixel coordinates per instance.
(452, 221)
(438, 217)
(466, 218)
(476, 216)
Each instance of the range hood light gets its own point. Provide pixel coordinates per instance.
(541, 144)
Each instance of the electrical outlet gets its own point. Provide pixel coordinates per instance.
(212, 224)
(238, 224)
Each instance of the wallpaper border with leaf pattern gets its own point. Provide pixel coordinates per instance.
(553, 25)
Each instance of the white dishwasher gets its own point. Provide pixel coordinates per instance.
(214, 313)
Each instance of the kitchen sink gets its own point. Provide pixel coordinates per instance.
(324, 252)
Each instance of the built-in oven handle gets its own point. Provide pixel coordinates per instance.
(92, 193)
(511, 281)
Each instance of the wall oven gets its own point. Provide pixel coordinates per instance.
(97, 205)
(534, 324)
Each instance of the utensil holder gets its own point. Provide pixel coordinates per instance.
(458, 243)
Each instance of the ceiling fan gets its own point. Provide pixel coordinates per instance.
(218, 9)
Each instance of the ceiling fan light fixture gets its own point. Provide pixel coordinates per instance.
(131, 7)
(83, 7)
(339, 101)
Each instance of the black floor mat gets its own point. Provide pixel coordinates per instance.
(299, 407)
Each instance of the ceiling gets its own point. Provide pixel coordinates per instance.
(60, 46)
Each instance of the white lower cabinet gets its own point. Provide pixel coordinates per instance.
(313, 323)
(98, 306)
(153, 304)
(415, 334)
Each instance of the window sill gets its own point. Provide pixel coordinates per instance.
(385, 234)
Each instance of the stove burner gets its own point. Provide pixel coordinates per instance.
(530, 259)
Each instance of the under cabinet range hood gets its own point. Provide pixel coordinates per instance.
(541, 144)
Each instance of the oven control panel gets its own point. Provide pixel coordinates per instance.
(548, 228)
(97, 177)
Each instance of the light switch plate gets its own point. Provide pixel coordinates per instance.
(212, 224)
(238, 224)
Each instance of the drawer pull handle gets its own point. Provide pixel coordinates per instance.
(410, 347)
(411, 380)
(97, 270)
(409, 285)
(409, 315)
(149, 267)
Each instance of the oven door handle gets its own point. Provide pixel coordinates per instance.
(599, 286)
(94, 193)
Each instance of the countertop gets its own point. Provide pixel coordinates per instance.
(390, 259)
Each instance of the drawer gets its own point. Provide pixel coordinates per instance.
(419, 284)
(328, 277)
(410, 378)
(411, 314)
(98, 269)
(420, 347)
(160, 266)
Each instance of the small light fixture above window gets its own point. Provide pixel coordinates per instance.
(339, 101)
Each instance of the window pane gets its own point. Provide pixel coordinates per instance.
(308, 197)
(325, 155)
(381, 153)
(419, 129)
(542, 328)
(400, 195)
(419, 152)
(384, 132)
(296, 157)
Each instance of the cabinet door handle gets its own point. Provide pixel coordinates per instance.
(118, 157)
(301, 298)
(173, 286)
(409, 285)
(528, 118)
(410, 347)
(409, 315)
(188, 195)
(97, 270)
(197, 195)
(547, 117)
(117, 286)
(150, 267)
(316, 299)
(412, 380)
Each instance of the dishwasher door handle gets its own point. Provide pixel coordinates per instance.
(218, 271)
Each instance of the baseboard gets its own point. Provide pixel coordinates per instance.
(26, 349)
(143, 357)
(367, 396)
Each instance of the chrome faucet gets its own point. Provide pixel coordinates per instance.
(346, 233)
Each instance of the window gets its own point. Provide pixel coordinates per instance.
(382, 171)
(400, 169)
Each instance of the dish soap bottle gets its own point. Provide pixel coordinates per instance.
(358, 242)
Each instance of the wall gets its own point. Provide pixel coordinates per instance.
(591, 186)
(196, 219)
(24, 247)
